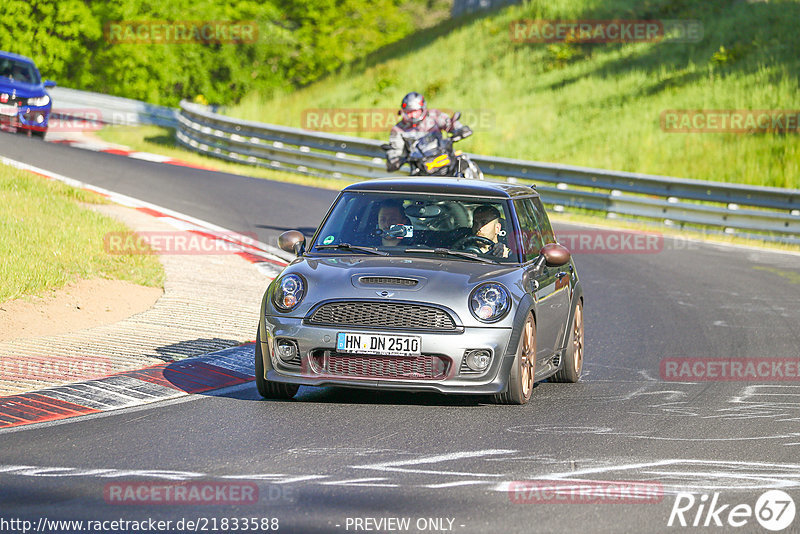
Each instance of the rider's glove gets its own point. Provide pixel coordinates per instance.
(464, 132)
(393, 164)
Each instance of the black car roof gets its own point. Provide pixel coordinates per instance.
(447, 186)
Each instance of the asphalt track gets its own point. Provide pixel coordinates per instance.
(333, 456)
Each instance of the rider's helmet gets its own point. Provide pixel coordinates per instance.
(413, 108)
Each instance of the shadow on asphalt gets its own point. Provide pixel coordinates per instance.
(175, 352)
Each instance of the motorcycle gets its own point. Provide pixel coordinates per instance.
(432, 155)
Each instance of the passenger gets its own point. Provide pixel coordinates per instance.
(486, 223)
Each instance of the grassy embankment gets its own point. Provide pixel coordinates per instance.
(597, 105)
(50, 239)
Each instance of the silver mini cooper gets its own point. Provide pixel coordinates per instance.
(432, 284)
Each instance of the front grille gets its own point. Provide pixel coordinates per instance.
(424, 367)
(393, 315)
(14, 100)
(388, 281)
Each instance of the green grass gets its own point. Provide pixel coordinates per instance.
(596, 105)
(159, 140)
(49, 239)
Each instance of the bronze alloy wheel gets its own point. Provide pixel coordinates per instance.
(527, 361)
(521, 378)
(577, 340)
(572, 365)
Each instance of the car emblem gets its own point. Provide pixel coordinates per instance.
(4, 98)
(385, 294)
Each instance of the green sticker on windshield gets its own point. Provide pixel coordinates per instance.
(328, 240)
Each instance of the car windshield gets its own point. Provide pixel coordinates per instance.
(19, 71)
(461, 228)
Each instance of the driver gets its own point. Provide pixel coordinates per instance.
(418, 120)
(486, 223)
(390, 214)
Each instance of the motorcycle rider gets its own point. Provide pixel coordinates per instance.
(418, 120)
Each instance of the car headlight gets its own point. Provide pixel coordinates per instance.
(39, 101)
(289, 291)
(489, 302)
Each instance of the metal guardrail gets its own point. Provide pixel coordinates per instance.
(738, 209)
(110, 109)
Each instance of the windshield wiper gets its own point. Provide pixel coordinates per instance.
(348, 246)
(447, 251)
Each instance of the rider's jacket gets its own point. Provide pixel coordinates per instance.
(434, 121)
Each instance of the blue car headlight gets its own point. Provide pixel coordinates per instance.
(288, 293)
(39, 101)
(489, 302)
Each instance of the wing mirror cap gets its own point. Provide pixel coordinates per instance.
(555, 255)
(292, 241)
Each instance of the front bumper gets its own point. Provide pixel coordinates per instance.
(450, 347)
(28, 118)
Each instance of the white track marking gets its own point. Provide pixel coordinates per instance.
(399, 466)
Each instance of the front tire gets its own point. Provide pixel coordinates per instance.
(572, 366)
(521, 378)
(267, 389)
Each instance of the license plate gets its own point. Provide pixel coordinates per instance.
(378, 344)
(8, 111)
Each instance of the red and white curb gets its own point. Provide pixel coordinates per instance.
(212, 371)
(268, 259)
(119, 150)
(217, 370)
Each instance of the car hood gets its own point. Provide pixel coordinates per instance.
(442, 281)
(22, 90)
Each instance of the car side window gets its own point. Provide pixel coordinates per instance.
(531, 238)
(544, 221)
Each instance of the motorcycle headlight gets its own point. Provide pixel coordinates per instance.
(489, 302)
(289, 291)
(39, 101)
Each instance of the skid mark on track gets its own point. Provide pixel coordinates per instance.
(674, 474)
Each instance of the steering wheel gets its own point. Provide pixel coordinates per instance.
(472, 243)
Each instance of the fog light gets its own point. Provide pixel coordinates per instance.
(478, 360)
(286, 349)
(39, 118)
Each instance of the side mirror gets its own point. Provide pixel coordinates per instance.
(456, 116)
(49, 83)
(292, 241)
(386, 147)
(555, 255)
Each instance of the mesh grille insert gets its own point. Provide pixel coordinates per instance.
(388, 281)
(424, 367)
(382, 315)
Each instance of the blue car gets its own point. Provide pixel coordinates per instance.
(24, 103)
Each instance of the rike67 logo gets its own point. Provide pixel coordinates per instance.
(774, 510)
